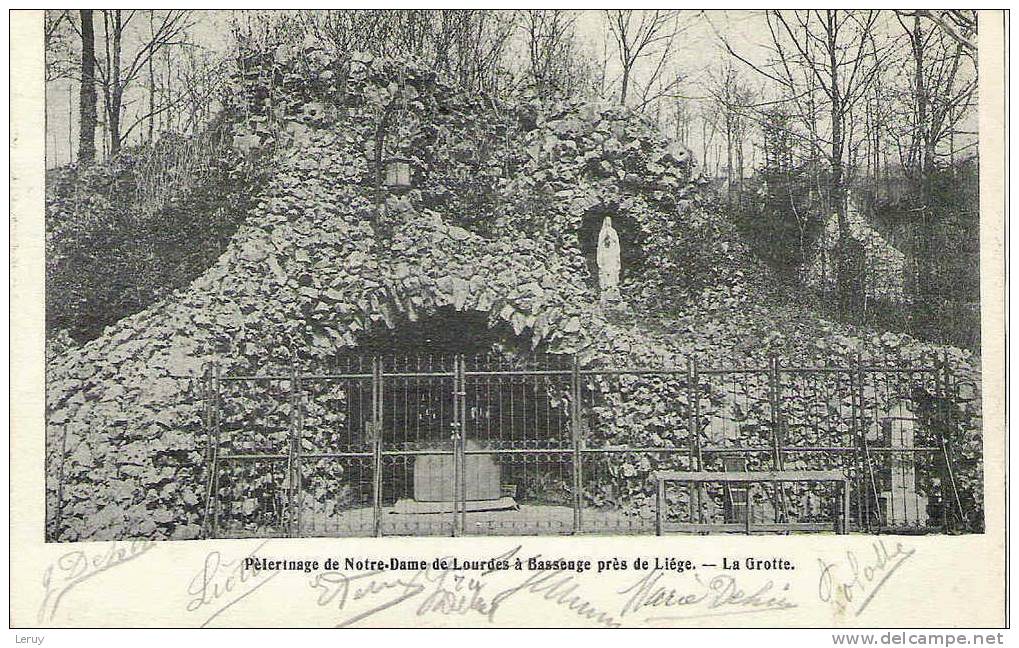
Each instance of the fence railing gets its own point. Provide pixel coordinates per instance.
(461, 445)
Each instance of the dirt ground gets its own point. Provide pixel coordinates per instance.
(526, 519)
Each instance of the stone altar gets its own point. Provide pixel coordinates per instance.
(433, 477)
(434, 483)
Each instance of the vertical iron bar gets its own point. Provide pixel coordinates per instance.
(289, 520)
(60, 482)
(461, 396)
(575, 426)
(456, 439)
(859, 431)
(659, 510)
(696, 431)
(212, 501)
(455, 446)
(947, 403)
(299, 434)
(691, 394)
(746, 509)
(774, 380)
(210, 451)
(375, 433)
(292, 453)
(860, 394)
(841, 511)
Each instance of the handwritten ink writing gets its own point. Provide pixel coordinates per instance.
(856, 580)
(719, 595)
(220, 584)
(76, 567)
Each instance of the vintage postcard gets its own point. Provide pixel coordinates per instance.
(508, 318)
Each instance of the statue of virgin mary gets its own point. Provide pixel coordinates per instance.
(608, 261)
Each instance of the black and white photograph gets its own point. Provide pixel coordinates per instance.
(325, 273)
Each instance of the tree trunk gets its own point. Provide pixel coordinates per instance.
(921, 134)
(843, 286)
(625, 85)
(837, 186)
(117, 91)
(87, 92)
(728, 154)
(152, 87)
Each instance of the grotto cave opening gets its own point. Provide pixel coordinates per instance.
(505, 403)
(501, 402)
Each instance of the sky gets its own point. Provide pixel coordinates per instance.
(698, 50)
(699, 53)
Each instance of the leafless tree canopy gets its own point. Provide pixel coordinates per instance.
(832, 103)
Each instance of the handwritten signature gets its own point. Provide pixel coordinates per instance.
(220, 584)
(448, 592)
(716, 596)
(843, 583)
(563, 590)
(75, 567)
(481, 596)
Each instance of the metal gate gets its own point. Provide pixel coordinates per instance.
(488, 445)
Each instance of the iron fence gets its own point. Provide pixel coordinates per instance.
(541, 445)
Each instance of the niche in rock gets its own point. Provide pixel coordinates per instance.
(631, 259)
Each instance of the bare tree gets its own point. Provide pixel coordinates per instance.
(58, 35)
(468, 46)
(549, 38)
(829, 52)
(732, 98)
(643, 35)
(709, 128)
(959, 24)
(120, 69)
(682, 116)
(87, 90)
(942, 89)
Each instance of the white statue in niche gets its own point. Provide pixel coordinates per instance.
(608, 261)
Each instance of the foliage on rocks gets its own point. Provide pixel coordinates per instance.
(98, 216)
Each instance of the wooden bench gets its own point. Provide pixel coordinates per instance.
(841, 523)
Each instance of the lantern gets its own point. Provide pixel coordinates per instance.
(398, 174)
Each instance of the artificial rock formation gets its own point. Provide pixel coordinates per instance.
(490, 227)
